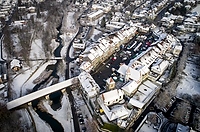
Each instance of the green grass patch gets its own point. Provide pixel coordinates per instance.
(112, 127)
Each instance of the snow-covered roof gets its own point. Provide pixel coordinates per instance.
(189, 20)
(159, 66)
(144, 94)
(150, 84)
(79, 45)
(115, 113)
(88, 83)
(134, 74)
(86, 66)
(15, 63)
(144, 89)
(136, 103)
(110, 81)
(95, 14)
(130, 87)
(112, 95)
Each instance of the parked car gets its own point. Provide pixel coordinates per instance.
(81, 121)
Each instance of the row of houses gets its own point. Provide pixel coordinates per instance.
(7, 7)
(150, 11)
(98, 53)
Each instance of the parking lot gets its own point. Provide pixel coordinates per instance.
(127, 52)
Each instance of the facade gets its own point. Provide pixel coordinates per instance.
(110, 83)
(89, 87)
(144, 94)
(112, 97)
(159, 66)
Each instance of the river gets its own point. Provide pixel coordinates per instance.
(55, 97)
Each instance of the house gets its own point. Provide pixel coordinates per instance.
(129, 73)
(143, 61)
(112, 97)
(182, 128)
(159, 66)
(2, 86)
(95, 15)
(132, 78)
(86, 66)
(15, 65)
(177, 49)
(89, 87)
(110, 83)
(114, 25)
(78, 44)
(144, 94)
(130, 88)
(119, 112)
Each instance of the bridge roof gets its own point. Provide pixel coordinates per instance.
(40, 93)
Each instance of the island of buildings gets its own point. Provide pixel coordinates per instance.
(135, 58)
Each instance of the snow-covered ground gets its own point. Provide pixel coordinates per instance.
(62, 115)
(189, 83)
(196, 9)
(22, 81)
(39, 123)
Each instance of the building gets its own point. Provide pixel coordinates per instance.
(144, 94)
(132, 77)
(110, 83)
(86, 66)
(95, 15)
(78, 45)
(130, 87)
(129, 73)
(182, 128)
(143, 61)
(115, 113)
(89, 87)
(112, 97)
(107, 103)
(159, 66)
(97, 54)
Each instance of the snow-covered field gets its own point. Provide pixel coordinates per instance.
(190, 83)
(63, 115)
(39, 123)
(197, 9)
(22, 81)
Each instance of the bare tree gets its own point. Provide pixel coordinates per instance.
(9, 120)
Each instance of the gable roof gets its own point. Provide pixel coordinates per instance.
(112, 95)
(134, 74)
(115, 113)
